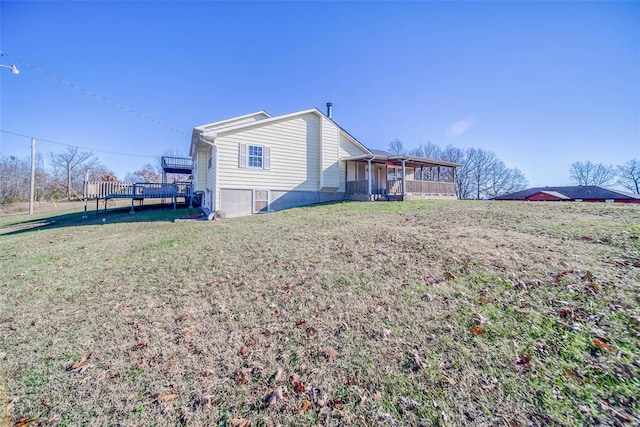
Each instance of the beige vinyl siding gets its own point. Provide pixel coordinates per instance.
(211, 177)
(294, 150)
(347, 149)
(200, 172)
(330, 161)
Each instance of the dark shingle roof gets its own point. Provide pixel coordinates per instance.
(585, 192)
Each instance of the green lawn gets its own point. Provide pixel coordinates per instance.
(415, 313)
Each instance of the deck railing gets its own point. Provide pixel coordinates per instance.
(137, 190)
(176, 162)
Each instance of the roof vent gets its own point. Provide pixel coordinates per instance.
(329, 109)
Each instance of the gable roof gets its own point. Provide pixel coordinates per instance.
(552, 193)
(213, 130)
(585, 192)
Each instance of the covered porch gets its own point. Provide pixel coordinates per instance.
(399, 177)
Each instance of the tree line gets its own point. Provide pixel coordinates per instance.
(483, 175)
(60, 175)
(626, 175)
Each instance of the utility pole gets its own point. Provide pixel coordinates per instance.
(33, 175)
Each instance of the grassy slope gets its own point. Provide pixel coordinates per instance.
(363, 310)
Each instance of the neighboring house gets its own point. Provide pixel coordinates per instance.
(576, 193)
(260, 163)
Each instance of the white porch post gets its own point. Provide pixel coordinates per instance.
(369, 178)
(404, 178)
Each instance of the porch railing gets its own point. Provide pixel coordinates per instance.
(412, 187)
(430, 187)
(357, 187)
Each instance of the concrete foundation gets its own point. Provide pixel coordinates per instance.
(235, 203)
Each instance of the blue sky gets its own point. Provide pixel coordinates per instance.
(542, 84)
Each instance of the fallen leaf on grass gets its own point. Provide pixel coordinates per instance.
(305, 405)
(81, 364)
(572, 374)
(449, 276)
(350, 381)
(485, 300)
(142, 364)
(588, 277)
(477, 330)
(240, 422)
(141, 345)
(451, 381)
(23, 422)
(167, 398)
(417, 360)
(273, 397)
(332, 353)
(524, 359)
(603, 345)
(299, 386)
(300, 322)
(241, 377)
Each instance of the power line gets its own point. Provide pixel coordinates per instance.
(76, 146)
(101, 98)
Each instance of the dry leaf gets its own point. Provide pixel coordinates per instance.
(243, 351)
(572, 374)
(142, 364)
(477, 330)
(332, 353)
(275, 378)
(524, 359)
(272, 398)
(305, 405)
(241, 377)
(603, 344)
(249, 343)
(417, 360)
(23, 422)
(350, 381)
(167, 398)
(300, 322)
(81, 364)
(485, 300)
(141, 345)
(448, 275)
(240, 422)
(299, 386)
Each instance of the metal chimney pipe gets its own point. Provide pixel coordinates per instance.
(329, 109)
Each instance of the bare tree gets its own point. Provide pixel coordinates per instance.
(14, 179)
(396, 147)
(629, 175)
(148, 173)
(505, 180)
(587, 173)
(72, 164)
(428, 150)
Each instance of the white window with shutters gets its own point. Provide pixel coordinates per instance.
(254, 156)
(261, 199)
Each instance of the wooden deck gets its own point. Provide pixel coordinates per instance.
(106, 190)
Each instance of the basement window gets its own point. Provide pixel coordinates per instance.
(261, 201)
